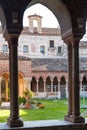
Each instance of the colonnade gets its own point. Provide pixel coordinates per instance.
(50, 88)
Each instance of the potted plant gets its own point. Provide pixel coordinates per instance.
(28, 94)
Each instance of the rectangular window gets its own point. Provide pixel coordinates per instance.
(51, 43)
(59, 49)
(42, 49)
(25, 49)
(5, 48)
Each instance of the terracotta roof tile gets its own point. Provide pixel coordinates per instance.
(57, 64)
(5, 56)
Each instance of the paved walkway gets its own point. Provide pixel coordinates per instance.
(6, 105)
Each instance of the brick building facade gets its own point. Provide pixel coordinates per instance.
(42, 62)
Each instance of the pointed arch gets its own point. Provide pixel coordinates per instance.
(41, 85)
(55, 84)
(34, 84)
(59, 10)
(48, 84)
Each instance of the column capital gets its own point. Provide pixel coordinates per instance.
(59, 81)
(12, 39)
(66, 80)
(37, 80)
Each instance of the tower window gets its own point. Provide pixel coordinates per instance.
(59, 49)
(25, 49)
(5, 48)
(42, 49)
(51, 43)
(35, 23)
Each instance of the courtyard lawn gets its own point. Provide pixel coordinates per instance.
(53, 110)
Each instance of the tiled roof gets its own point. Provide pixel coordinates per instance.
(45, 31)
(5, 56)
(57, 64)
(50, 31)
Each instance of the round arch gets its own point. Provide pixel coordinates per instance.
(4, 86)
(59, 9)
(2, 17)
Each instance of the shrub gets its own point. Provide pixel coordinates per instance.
(28, 94)
(21, 100)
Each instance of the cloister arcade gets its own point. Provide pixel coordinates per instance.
(42, 86)
(48, 86)
(4, 86)
(72, 18)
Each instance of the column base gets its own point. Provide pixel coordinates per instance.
(14, 122)
(74, 119)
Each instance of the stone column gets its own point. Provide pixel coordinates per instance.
(59, 93)
(66, 88)
(76, 118)
(44, 86)
(70, 58)
(52, 86)
(30, 83)
(0, 87)
(80, 89)
(37, 86)
(80, 85)
(6, 89)
(14, 119)
(27, 83)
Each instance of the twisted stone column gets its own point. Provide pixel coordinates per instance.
(14, 119)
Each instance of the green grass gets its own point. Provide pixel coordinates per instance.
(52, 110)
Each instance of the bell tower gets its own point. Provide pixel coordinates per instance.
(35, 23)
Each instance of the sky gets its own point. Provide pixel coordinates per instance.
(48, 20)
